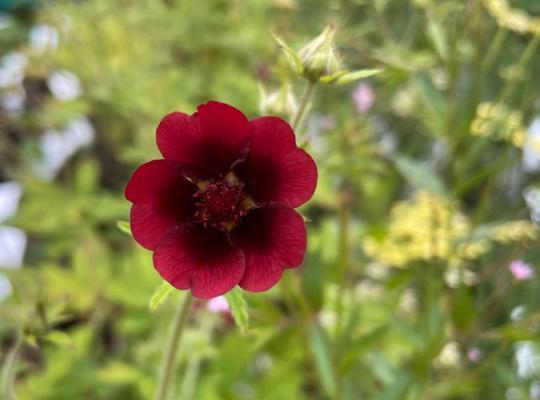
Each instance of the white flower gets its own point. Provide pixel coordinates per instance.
(10, 193)
(12, 240)
(531, 149)
(12, 246)
(64, 85)
(12, 69)
(43, 37)
(57, 147)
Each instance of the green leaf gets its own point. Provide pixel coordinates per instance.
(462, 307)
(238, 305)
(160, 295)
(31, 340)
(420, 176)
(434, 108)
(124, 227)
(333, 78)
(59, 338)
(356, 75)
(321, 353)
(290, 54)
(437, 36)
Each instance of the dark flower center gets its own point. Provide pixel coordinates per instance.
(221, 203)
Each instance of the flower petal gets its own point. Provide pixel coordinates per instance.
(203, 260)
(157, 179)
(163, 198)
(276, 170)
(207, 143)
(272, 238)
(149, 224)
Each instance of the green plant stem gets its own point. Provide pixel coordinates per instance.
(171, 348)
(494, 49)
(306, 98)
(8, 372)
(342, 262)
(526, 56)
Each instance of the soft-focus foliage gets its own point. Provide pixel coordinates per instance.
(421, 278)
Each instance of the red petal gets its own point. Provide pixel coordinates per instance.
(149, 224)
(199, 259)
(272, 238)
(276, 170)
(207, 143)
(163, 198)
(156, 179)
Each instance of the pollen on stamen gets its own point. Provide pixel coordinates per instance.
(220, 204)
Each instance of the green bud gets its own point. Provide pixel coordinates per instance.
(319, 57)
(319, 61)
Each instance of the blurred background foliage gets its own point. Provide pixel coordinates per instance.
(419, 282)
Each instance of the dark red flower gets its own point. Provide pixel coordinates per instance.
(218, 210)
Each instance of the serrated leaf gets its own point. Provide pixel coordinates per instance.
(356, 75)
(59, 338)
(160, 296)
(290, 54)
(239, 311)
(124, 227)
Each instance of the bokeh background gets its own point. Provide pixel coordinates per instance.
(421, 277)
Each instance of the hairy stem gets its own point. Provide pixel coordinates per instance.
(171, 349)
(302, 110)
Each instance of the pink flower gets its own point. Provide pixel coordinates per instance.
(363, 97)
(474, 354)
(218, 305)
(520, 270)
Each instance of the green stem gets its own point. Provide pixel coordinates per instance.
(171, 349)
(8, 373)
(301, 113)
(494, 49)
(526, 56)
(342, 262)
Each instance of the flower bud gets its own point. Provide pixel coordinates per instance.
(319, 57)
(319, 61)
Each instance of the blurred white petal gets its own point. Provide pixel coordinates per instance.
(43, 37)
(532, 198)
(12, 247)
(527, 359)
(64, 85)
(12, 69)
(79, 133)
(10, 193)
(57, 147)
(5, 287)
(55, 153)
(13, 101)
(531, 149)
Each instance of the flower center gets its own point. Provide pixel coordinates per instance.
(221, 203)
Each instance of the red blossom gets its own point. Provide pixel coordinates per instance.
(218, 210)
